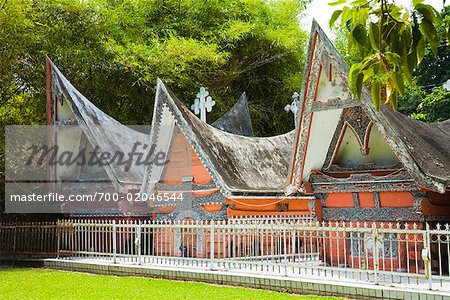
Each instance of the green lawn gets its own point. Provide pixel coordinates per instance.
(50, 284)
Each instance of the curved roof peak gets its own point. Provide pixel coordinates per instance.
(237, 120)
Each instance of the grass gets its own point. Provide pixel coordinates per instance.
(51, 284)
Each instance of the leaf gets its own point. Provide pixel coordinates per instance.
(412, 60)
(359, 85)
(420, 49)
(417, 35)
(346, 12)
(393, 58)
(339, 2)
(368, 74)
(407, 38)
(391, 94)
(396, 43)
(399, 84)
(415, 2)
(429, 31)
(389, 87)
(374, 35)
(361, 15)
(360, 34)
(353, 75)
(393, 100)
(369, 61)
(376, 94)
(428, 12)
(336, 14)
(407, 73)
(349, 24)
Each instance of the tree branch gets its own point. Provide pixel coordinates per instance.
(391, 16)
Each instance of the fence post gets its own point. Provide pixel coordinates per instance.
(375, 252)
(14, 245)
(138, 242)
(114, 241)
(58, 238)
(212, 245)
(285, 248)
(426, 255)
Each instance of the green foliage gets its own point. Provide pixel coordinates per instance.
(391, 41)
(408, 104)
(432, 72)
(113, 51)
(435, 69)
(435, 107)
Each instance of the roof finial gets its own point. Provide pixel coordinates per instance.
(293, 107)
(202, 104)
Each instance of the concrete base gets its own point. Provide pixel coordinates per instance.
(263, 281)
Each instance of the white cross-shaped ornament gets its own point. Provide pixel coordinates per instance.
(293, 107)
(202, 104)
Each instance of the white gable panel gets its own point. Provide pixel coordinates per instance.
(349, 154)
(336, 89)
(68, 142)
(323, 125)
(63, 111)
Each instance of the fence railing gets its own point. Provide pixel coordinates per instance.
(381, 253)
(18, 240)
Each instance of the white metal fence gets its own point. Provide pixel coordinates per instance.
(381, 253)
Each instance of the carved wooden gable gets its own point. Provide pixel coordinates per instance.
(358, 145)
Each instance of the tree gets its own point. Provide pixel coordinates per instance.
(435, 107)
(113, 51)
(431, 73)
(392, 42)
(434, 70)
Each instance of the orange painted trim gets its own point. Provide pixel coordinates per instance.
(366, 199)
(232, 213)
(330, 76)
(166, 209)
(339, 200)
(212, 207)
(396, 199)
(313, 48)
(274, 198)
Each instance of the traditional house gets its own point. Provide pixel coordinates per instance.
(223, 175)
(365, 165)
(79, 127)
